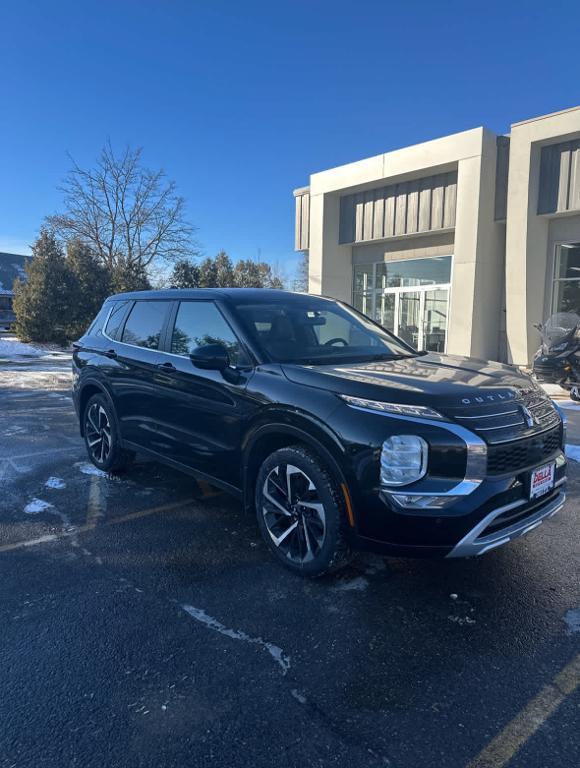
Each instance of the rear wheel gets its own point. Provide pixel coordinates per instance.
(102, 438)
(300, 511)
(575, 392)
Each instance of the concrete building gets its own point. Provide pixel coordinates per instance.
(460, 244)
(11, 267)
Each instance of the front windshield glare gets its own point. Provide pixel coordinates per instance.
(317, 332)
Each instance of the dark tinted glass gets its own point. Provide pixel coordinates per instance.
(145, 323)
(199, 323)
(314, 331)
(569, 261)
(115, 318)
(411, 272)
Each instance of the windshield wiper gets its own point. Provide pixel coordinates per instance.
(386, 356)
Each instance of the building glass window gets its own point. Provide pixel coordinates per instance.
(566, 290)
(409, 297)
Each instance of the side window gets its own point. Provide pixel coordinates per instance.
(116, 318)
(200, 322)
(145, 323)
(96, 327)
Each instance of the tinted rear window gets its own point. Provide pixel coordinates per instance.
(145, 323)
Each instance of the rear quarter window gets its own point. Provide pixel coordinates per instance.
(96, 327)
(115, 321)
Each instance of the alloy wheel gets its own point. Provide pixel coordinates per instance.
(293, 513)
(98, 433)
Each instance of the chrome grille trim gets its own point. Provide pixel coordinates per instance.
(490, 415)
(544, 412)
(476, 542)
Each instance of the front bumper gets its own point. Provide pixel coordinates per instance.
(498, 511)
(489, 533)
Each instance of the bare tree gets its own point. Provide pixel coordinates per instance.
(128, 215)
(301, 281)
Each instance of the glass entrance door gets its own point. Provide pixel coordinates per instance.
(435, 312)
(418, 315)
(409, 317)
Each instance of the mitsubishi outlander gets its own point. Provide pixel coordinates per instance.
(337, 434)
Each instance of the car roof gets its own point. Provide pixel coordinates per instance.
(236, 295)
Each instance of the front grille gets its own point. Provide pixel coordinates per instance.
(508, 421)
(519, 455)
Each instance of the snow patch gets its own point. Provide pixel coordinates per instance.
(10, 349)
(461, 620)
(89, 469)
(298, 696)
(572, 619)
(573, 451)
(274, 650)
(56, 483)
(354, 585)
(36, 506)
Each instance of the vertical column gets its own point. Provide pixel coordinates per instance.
(330, 264)
(526, 249)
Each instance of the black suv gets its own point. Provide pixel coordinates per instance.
(338, 434)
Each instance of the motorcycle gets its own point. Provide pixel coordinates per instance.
(557, 361)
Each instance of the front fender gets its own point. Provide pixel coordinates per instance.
(280, 426)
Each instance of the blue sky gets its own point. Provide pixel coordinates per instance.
(240, 101)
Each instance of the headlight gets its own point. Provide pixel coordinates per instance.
(403, 459)
(396, 408)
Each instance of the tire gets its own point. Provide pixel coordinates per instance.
(575, 393)
(102, 439)
(301, 512)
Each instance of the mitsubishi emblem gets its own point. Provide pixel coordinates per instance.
(530, 420)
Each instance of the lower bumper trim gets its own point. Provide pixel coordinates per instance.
(477, 543)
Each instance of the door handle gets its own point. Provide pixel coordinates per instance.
(110, 353)
(167, 366)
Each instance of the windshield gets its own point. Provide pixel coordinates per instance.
(558, 327)
(313, 331)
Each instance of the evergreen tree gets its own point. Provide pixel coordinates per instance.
(44, 303)
(249, 274)
(208, 274)
(185, 274)
(220, 272)
(224, 271)
(92, 284)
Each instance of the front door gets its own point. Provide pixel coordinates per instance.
(417, 315)
(205, 411)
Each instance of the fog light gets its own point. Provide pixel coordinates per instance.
(411, 501)
(403, 459)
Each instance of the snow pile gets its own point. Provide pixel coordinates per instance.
(10, 349)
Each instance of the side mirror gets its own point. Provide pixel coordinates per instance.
(210, 357)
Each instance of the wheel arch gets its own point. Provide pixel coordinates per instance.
(269, 437)
(90, 388)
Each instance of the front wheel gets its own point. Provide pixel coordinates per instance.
(300, 511)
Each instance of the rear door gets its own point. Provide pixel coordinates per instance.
(137, 356)
(205, 410)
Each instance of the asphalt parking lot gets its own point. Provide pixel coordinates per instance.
(143, 623)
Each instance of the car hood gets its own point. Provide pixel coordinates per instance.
(435, 380)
